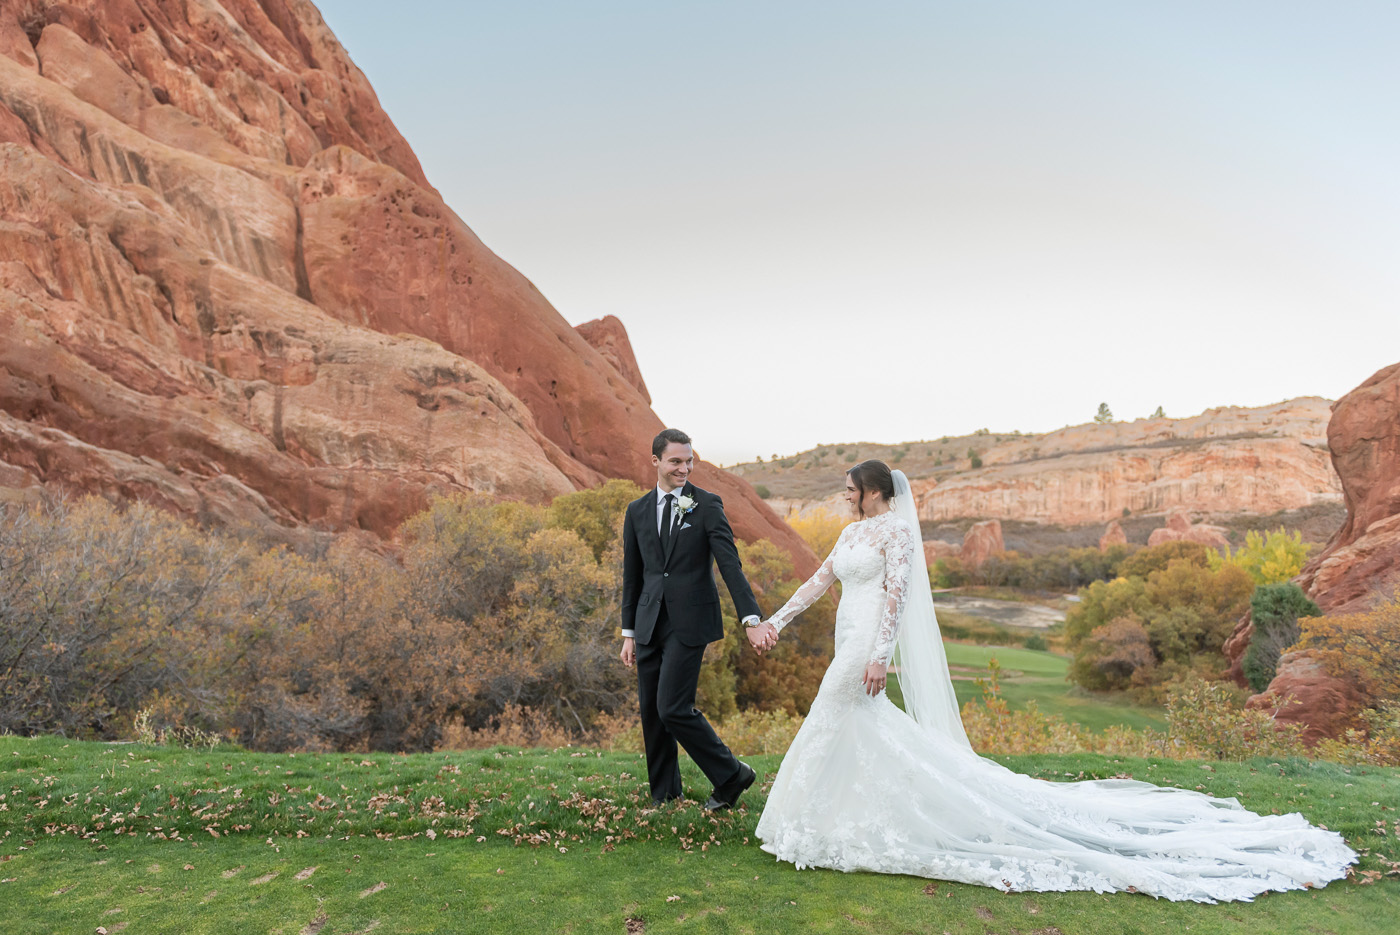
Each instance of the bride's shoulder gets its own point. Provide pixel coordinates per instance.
(897, 528)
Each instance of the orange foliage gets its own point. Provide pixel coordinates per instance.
(1363, 648)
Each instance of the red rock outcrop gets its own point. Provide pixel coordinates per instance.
(1180, 527)
(934, 549)
(1113, 535)
(1363, 558)
(226, 286)
(608, 337)
(1234, 649)
(1360, 563)
(1304, 693)
(981, 542)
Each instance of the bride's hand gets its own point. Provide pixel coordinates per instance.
(873, 681)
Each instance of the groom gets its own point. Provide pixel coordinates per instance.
(670, 610)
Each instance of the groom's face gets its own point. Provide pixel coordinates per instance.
(673, 467)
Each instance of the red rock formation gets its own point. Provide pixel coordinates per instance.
(1360, 562)
(981, 542)
(608, 337)
(1113, 535)
(1234, 649)
(934, 549)
(1180, 527)
(227, 287)
(1363, 558)
(1304, 693)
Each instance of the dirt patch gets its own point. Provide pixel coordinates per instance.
(1022, 614)
(315, 925)
(381, 885)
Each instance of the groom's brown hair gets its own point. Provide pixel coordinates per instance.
(668, 437)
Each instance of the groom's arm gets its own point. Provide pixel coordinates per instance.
(631, 576)
(726, 556)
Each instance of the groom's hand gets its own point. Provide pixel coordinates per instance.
(629, 651)
(762, 637)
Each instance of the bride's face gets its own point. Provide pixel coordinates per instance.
(862, 506)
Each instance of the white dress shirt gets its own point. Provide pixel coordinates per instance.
(661, 496)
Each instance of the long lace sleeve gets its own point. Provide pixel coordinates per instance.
(806, 596)
(899, 563)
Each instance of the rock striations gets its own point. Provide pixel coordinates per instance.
(1362, 560)
(1224, 461)
(1360, 565)
(227, 287)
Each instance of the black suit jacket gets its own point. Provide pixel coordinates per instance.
(681, 579)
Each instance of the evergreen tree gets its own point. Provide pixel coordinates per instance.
(1105, 414)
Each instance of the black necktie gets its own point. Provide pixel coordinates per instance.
(666, 523)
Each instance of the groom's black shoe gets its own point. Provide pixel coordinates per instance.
(726, 795)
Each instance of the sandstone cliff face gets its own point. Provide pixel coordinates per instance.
(1256, 475)
(1223, 462)
(1363, 558)
(227, 287)
(608, 337)
(1360, 564)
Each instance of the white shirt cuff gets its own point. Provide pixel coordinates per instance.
(746, 620)
(629, 634)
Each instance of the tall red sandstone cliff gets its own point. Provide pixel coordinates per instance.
(1363, 559)
(1359, 566)
(227, 287)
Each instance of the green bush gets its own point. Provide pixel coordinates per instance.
(1275, 609)
(1037, 642)
(1140, 632)
(1062, 569)
(762, 490)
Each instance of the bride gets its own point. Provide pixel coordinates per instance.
(866, 786)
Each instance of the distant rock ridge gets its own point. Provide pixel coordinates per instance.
(227, 287)
(1225, 461)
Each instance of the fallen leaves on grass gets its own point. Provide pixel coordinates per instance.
(636, 926)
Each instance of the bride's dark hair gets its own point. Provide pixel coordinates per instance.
(871, 475)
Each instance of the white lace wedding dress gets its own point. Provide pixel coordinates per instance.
(867, 787)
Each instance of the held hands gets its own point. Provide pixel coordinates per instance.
(873, 681)
(629, 651)
(762, 637)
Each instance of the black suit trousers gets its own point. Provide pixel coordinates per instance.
(667, 672)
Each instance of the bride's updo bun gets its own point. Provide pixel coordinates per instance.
(872, 475)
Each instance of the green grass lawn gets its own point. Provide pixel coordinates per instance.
(1032, 674)
(526, 841)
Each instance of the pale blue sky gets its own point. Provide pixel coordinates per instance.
(894, 221)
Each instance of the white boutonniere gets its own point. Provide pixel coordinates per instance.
(684, 505)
